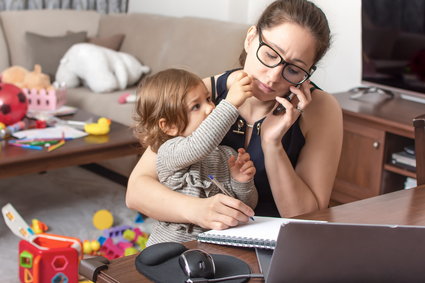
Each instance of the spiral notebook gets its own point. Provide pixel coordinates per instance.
(261, 232)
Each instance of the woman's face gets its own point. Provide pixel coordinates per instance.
(293, 43)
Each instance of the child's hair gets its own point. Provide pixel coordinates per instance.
(162, 95)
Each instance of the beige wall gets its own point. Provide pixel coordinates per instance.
(340, 70)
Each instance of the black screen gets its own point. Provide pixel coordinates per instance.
(393, 43)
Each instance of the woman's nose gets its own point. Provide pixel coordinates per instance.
(275, 73)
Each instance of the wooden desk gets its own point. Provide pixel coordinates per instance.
(406, 207)
(119, 142)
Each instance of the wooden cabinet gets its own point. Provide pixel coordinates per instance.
(374, 128)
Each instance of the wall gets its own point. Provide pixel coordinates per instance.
(339, 70)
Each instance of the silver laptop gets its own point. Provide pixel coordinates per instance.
(339, 252)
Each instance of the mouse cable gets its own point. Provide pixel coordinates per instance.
(240, 276)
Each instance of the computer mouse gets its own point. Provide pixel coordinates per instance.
(197, 264)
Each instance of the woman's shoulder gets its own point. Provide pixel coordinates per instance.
(226, 77)
(323, 109)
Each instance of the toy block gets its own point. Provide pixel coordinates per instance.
(45, 99)
(115, 232)
(110, 250)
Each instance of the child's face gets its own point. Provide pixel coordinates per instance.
(199, 106)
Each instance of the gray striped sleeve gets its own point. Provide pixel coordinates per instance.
(181, 152)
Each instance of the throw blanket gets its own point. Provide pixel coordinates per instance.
(101, 69)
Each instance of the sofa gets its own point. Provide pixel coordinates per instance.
(203, 46)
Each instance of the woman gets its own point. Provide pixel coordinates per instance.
(295, 152)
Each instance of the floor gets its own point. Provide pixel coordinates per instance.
(66, 200)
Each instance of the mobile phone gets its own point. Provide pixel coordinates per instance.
(280, 108)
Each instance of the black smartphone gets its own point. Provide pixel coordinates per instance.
(280, 108)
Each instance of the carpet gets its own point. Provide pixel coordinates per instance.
(66, 200)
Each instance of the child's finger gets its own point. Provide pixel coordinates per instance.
(246, 166)
(231, 161)
(250, 171)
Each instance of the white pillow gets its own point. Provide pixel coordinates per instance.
(102, 69)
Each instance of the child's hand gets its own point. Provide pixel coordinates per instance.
(241, 168)
(240, 90)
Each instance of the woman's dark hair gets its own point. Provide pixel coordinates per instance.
(301, 12)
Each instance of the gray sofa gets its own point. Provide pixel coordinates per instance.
(203, 46)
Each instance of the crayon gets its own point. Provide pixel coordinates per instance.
(27, 146)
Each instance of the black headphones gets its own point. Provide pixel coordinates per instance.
(173, 262)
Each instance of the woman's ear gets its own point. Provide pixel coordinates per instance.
(250, 35)
(170, 130)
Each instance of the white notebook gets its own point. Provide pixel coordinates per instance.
(261, 232)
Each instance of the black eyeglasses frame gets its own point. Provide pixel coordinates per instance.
(282, 61)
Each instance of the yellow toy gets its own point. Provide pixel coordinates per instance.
(23, 78)
(103, 219)
(99, 128)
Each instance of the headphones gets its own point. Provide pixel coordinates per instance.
(199, 266)
(173, 262)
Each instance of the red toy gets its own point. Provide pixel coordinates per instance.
(50, 258)
(44, 257)
(13, 104)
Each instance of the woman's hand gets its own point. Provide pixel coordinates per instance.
(220, 212)
(274, 126)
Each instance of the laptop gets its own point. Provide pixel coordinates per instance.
(341, 252)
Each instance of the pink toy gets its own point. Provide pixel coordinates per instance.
(45, 99)
(110, 250)
(13, 104)
(127, 98)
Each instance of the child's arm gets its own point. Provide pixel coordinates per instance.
(242, 171)
(182, 152)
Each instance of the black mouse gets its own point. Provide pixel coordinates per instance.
(197, 264)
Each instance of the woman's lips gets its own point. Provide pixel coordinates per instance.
(264, 88)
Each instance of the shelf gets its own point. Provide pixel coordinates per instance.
(400, 171)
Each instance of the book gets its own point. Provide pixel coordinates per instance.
(404, 160)
(262, 232)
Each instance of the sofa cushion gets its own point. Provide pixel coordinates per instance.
(145, 35)
(4, 53)
(103, 104)
(203, 46)
(112, 42)
(44, 22)
(47, 51)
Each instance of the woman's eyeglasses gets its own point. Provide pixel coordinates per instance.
(270, 58)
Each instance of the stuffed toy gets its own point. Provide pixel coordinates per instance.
(37, 79)
(23, 78)
(101, 69)
(14, 75)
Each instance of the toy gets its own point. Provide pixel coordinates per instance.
(7, 131)
(23, 78)
(99, 128)
(36, 79)
(38, 227)
(103, 219)
(13, 104)
(127, 98)
(36, 86)
(102, 69)
(14, 75)
(43, 257)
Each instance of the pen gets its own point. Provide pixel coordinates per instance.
(223, 189)
(27, 146)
